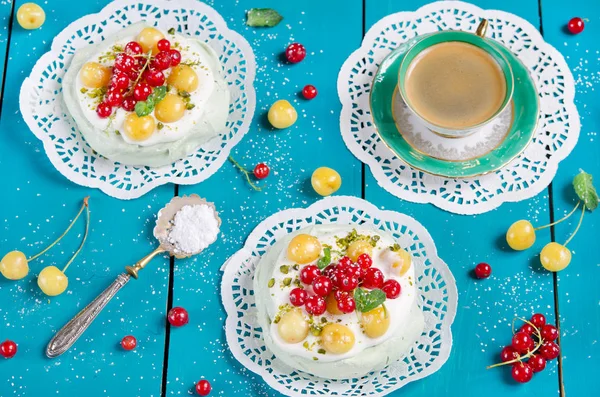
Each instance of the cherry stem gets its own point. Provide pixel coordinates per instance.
(87, 228)
(529, 353)
(84, 205)
(246, 173)
(562, 219)
(577, 228)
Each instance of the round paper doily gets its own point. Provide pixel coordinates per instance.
(529, 174)
(437, 296)
(42, 107)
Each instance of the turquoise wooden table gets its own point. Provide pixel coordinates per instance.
(37, 202)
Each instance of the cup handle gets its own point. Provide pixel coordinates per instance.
(482, 28)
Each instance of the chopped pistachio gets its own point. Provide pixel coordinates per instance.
(323, 320)
(160, 125)
(83, 90)
(395, 247)
(171, 31)
(315, 359)
(321, 351)
(296, 267)
(287, 281)
(183, 94)
(284, 269)
(297, 282)
(190, 106)
(271, 283)
(316, 330)
(277, 319)
(306, 345)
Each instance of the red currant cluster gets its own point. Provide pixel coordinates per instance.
(135, 74)
(341, 279)
(532, 346)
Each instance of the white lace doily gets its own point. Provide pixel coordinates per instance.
(526, 176)
(43, 109)
(437, 296)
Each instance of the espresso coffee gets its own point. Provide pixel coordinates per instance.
(455, 85)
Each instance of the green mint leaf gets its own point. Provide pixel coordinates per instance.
(585, 190)
(325, 260)
(159, 94)
(143, 108)
(368, 300)
(263, 18)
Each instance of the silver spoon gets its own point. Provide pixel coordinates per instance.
(68, 335)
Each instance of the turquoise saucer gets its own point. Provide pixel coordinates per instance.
(506, 145)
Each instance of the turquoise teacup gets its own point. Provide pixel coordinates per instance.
(426, 41)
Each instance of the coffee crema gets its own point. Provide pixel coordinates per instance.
(455, 85)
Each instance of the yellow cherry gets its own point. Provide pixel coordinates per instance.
(94, 75)
(520, 235)
(357, 248)
(148, 38)
(303, 249)
(331, 304)
(325, 181)
(183, 78)
(282, 114)
(292, 326)
(375, 323)
(52, 281)
(555, 257)
(139, 128)
(337, 338)
(399, 260)
(30, 16)
(14, 265)
(170, 109)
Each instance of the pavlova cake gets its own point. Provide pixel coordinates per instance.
(145, 96)
(338, 301)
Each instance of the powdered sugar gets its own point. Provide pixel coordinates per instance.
(195, 227)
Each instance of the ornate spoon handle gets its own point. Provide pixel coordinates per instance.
(68, 335)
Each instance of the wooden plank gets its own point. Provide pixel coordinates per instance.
(330, 31)
(485, 308)
(578, 284)
(37, 203)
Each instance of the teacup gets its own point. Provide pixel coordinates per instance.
(455, 82)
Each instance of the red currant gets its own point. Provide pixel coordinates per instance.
(261, 171)
(483, 270)
(129, 342)
(129, 103)
(175, 57)
(124, 62)
(344, 262)
(537, 362)
(346, 303)
(549, 350)
(364, 261)
(298, 296)
(549, 332)
(322, 286)
(119, 81)
(178, 316)
(162, 60)
(373, 278)
(309, 273)
(133, 48)
(576, 25)
(345, 282)
(142, 91)
(522, 342)
(353, 271)
(114, 97)
(309, 91)
(538, 320)
(527, 328)
(328, 271)
(154, 78)
(508, 353)
(315, 305)
(163, 45)
(391, 288)
(104, 110)
(522, 372)
(8, 349)
(295, 52)
(203, 388)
